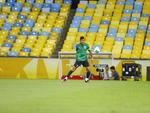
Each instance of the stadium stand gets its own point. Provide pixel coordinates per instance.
(118, 26)
(32, 28)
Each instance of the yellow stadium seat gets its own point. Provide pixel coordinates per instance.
(72, 38)
(29, 45)
(38, 29)
(121, 35)
(16, 49)
(92, 2)
(27, 29)
(25, 54)
(3, 53)
(27, 4)
(136, 54)
(35, 54)
(46, 54)
(22, 1)
(35, 9)
(73, 29)
(122, 30)
(129, 7)
(6, 9)
(129, 41)
(39, 1)
(117, 48)
(136, 15)
(79, 14)
(47, 29)
(147, 39)
(59, 1)
(147, 36)
(145, 54)
(82, 6)
(20, 20)
(4, 33)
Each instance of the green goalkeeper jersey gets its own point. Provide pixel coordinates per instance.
(81, 51)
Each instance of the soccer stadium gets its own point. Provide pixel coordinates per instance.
(74, 56)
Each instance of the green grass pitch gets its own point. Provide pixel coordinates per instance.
(53, 96)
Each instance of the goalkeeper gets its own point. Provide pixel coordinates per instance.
(81, 59)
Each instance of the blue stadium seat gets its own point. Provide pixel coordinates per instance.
(145, 15)
(83, 30)
(142, 27)
(128, 47)
(16, 9)
(7, 26)
(138, 5)
(11, 1)
(77, 18)
(48, 1)
(91, 6)
(129, 2)
(18, 4)
(87, 18)
(67, 1)
(29, 23)
(121, 2)
(148, 31)
(56, 29)
(76, 22)
(105, 22)
(34, 33)
(102, 2)
(137, 11)
(55, 7)
(1, 5)
(26, 9)
(30, 1)
(119, 39)
(111, 34)
(37, 5)
(94, 26)
(13, 53)
(46, 9)
(18, 24)
(3, 16)
(125, 19)
(74, 25)
(44, 33)
(24, 33)
(23, 17)
(132, 31)
(26, 49)
(93, 29)
(80, 10)
(135, 19)
(147, 43)
(12, 37)
(7, 45)
(112, 30)
(46, 5)
(130, 35)
(127, 11)
(9, 4)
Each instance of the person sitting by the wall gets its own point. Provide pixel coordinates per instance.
(114, 73)
(107, 73)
